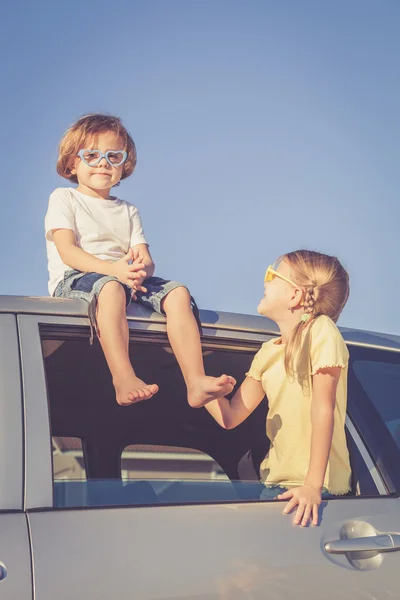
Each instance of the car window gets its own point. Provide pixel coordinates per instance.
(158, 451)
(68, 461)
(381, 382)
(144, 461)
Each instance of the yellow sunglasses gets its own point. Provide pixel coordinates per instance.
(271, 273)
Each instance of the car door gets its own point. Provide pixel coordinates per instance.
(15, 560)
(206, 549)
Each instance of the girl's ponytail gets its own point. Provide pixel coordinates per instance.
(326, 290)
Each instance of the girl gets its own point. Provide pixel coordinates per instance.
(304, 375)
(97, 252)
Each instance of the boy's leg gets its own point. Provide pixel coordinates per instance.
(183, 334)
(114, 339)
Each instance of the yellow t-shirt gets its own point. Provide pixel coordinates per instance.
(289, 399)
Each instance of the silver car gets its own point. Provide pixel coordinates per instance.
(155, 501)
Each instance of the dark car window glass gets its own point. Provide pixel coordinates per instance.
(68, 460)
(156, 452)
(144, 461)
(159, 451)
(381, 383)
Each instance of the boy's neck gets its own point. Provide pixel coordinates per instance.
(100, 194)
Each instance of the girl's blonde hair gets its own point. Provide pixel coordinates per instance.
(88, 126)
(326, 290)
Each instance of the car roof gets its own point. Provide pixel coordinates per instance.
(250, 327)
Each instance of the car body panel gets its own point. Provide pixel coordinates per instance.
(16, 576)
(206, 552)
(11, 417)
(226, 551)
(244, 326)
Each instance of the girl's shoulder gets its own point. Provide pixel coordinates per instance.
(327, 346)
(323, 325)
(272, 345)
(324, 330)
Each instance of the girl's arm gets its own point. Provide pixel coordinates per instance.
(78, 259)
(230, 414)
(308, 496)
(322, 409)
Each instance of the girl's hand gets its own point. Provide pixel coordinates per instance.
(307, 499)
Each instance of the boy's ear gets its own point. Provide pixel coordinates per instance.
(72, 169)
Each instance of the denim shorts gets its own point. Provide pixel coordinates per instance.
(87, 286)
(272, 491)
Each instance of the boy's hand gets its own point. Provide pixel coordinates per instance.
(138, 258)
(307, 499)
(130, 274)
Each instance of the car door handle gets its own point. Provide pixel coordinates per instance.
(385, 542)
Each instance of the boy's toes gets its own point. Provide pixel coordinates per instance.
(134, 391)
(134, 395)
(226, 381)
(147, 391)
(221, 381)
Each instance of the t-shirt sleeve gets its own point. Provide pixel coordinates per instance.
(256, 367)
(60, 213)
(328, 348)
(137, 233)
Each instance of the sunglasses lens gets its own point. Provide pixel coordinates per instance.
(91, 157)
(116, 157)
(268, 276)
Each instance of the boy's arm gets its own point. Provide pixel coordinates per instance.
(308, 496)
(78, 259)
(142, 251)
(230, 414)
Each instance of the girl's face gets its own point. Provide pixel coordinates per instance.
(279, 295)
(98, 180)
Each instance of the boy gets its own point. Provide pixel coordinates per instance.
(97, 251)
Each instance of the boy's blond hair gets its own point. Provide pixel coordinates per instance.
(88, 126)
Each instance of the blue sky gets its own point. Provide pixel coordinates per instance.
(261, 127)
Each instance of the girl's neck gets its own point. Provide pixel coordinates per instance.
(288, 324)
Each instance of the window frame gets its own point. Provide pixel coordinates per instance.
(370, 425)
(39, 488)
(12, 468)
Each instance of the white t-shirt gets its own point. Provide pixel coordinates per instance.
(104, 228)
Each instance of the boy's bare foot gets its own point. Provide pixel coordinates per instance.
(205, 388)
(132, 389)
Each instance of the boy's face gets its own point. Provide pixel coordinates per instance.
(98, 180)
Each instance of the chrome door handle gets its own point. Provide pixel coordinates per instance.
(385, 542)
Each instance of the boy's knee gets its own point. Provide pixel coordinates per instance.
(112, 290)
(177, 297)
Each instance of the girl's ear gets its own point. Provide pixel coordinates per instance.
(297, 298)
